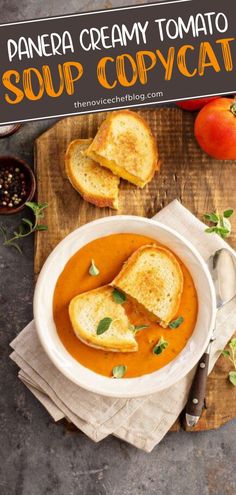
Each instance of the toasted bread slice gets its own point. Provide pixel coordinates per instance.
(125, 145)
(153, 277)
(96, 184)
(89, 308)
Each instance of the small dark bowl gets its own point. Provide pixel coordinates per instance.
(14, 128)
(30, 182)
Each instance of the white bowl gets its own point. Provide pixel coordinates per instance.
(125, 387)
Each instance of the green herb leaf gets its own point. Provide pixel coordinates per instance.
(104, 325)
(26, 226)
(137, 328)
(161, 345)
(16, 246)
(211, 217)
(222, 225)
(93, 270)
(176, 323)
(232, 344)
(210, 230)
(221, 231)
(228, 213)
(21, 231)
(27, 222)
(230, 354)
(119, 371)
(118, 296)
(232, 377)
(36, 207)
(41, 227)
(225, 353)
(32, 205)
(3, 231)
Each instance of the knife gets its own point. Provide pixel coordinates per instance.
(222, 266)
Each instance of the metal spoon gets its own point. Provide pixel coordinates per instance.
(222, 266)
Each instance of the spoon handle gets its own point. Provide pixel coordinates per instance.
(197, 392)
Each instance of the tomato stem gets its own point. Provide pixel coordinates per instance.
(233, 108)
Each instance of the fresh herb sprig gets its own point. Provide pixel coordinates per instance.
(176, 323)
(222, 225)
(26, 227)
(104, 325)
(161, 345)
(230, 354)
(137, 328)
(118, 296)
(93, 269)
(119, 371)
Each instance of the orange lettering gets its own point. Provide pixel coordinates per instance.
(121, 70)
(181, 61)
(206, 51)
(6, 80)
(226, 53)
(143, 68)
(27, 84)
(168, 63)
(101, 73)
(48, 81)
(69, 79)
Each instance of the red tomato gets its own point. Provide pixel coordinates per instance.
(192, 105)
(215, 129)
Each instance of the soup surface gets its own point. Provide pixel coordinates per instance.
(109, 254)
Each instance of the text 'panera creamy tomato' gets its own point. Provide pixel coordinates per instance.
(109, 254)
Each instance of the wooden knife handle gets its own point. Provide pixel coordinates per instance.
(197, 392)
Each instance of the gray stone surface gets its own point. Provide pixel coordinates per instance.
(38, 457)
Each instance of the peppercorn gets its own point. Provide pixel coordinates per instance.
(13, 186)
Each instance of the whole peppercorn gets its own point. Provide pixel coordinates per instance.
(13, 186)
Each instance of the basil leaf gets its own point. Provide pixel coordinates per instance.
(161, 345)
(232, 378)
(119, 371)
(104, 325)
(118, 296)
(228, 213)
(93, 270)
(176, 323)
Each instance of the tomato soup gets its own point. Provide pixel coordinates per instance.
(109, 254)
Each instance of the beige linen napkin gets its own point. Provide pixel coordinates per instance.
(141, 421)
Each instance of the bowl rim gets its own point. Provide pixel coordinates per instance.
(14, 128)
(32, 190)
(95, 389)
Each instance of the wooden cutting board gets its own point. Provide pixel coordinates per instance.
(199, 182)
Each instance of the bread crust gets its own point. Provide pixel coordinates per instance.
(127, 268)
(108, 341)
(100, 201)
(96, 148)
